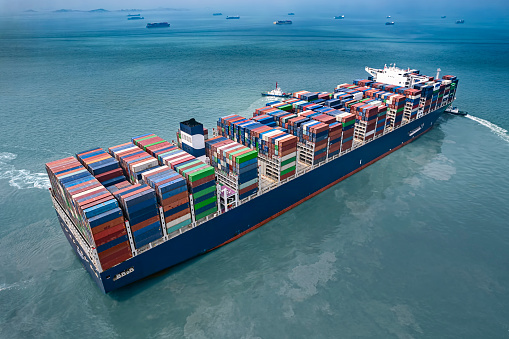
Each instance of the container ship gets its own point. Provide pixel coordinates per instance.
(148, 204)
(157, 24)
(283, 22)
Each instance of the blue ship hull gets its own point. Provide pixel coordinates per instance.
(252, 214)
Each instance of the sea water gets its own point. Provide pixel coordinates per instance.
(415, 245)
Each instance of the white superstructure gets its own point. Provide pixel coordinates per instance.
(397, 76)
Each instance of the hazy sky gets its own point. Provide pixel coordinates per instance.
(500, 7)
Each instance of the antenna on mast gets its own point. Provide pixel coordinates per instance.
(438, 73)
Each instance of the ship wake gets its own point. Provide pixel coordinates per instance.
(20, 178)
(494, 128)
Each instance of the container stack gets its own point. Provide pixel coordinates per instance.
(426, 95)
(314, 138)
(366, 120)
(171, 192)
(152, 144)
(102, 165)
(413, 98)
(265, 119)
(335, 131)
(201, 183)
(396, 106)
(236, 165)
(348, 124)
(139, 204)
(133, 160)
(92, 209)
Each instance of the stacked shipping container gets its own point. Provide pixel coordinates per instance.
(102, 165)
(201, 183)
(171, 192)
(133, 160)
(92, 209)
(235, 160)
(139, 204)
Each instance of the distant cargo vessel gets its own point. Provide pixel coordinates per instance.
(339, 17)
(157, 24)
(443, 17)
(389, 23)
(148, 204)
(283, 22)
(460, 21)
(216, 14)
(233, 17)
(133, 15)
(291, 13)
(135, 18)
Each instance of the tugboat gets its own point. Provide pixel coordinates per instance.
(277, 93)
(455, 111)
(339, 17)
(460, 21)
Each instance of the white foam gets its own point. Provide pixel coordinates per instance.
(494, 128)
(21, 179)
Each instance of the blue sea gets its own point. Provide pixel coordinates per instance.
(414, 246)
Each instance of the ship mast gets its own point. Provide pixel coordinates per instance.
(438, 73)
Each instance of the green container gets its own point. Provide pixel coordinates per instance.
(286, 162)
(177, 226)
(288, 170)
(203, 192)
(207, 212)
(400, 110)
(441, 95)
(285, 107)
(245, 157)
(345, 124)
(205, 203)
(205, 172)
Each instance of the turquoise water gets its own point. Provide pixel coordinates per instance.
(414, 246)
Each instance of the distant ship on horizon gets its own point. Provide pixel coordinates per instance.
(389, 23)
(291, 13)
(233, 17)
(283, 22)
(339, 17)
(135, 17)
(216, 14)
(157, 24)
(460, 21)
(443, 17)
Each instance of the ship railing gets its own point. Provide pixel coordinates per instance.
(77, 236)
